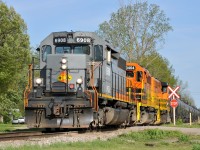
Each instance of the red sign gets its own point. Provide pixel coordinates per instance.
(174, 103)
(173, 92)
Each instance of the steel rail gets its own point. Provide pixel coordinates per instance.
(25, 135)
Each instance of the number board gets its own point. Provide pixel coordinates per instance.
(130, 67)
(83, 39)
(60, 40)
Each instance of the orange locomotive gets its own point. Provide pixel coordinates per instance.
(150, 95)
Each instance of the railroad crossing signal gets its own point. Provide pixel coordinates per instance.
(173, 92)
(174, 103)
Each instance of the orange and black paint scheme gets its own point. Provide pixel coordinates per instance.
(150, 95)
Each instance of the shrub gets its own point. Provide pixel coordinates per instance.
(183, 138)
(196, 147)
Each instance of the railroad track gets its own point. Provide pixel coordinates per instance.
(26, 135)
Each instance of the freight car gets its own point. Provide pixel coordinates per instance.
(183, 111)
(82, 81)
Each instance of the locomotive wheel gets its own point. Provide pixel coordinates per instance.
(92, 125)
(124, 125)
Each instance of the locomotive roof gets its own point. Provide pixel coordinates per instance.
(139, 66)
(93, 35)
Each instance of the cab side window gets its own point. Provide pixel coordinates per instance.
(164, 89)
(139, 76)
(98, 53)
(46, 49)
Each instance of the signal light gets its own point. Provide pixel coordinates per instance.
(79, 81)
(64, 60)
(63, 63)
(63, 66)
(38, 81)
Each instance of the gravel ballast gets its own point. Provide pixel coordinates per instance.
(89, 136)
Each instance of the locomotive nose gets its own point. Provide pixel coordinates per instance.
(66, 76)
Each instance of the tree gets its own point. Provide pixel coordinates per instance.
(136, 29)
(185, 94)
(14, 56)
(160, 68)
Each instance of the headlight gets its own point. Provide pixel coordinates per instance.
(64, 60)
(79, 81)
(64, 66)
(38, 81)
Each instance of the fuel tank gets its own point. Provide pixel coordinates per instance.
(115, 116)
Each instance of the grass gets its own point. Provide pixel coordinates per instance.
(154, 139)
(183, 125)
(196, 147)
(10, 127)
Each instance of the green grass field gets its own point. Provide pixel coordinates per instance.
(11, 127)
(154, 139)
(183, 125)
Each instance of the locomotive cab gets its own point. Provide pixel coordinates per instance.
(138, 77)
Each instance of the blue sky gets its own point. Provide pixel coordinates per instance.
(181, 47)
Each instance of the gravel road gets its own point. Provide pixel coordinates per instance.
(90, 136)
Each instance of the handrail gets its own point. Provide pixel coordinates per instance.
(28, 86)
(93, 87)
(89, 95)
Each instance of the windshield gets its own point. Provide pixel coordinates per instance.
(73, 49)
(63, 49)
(129, 74)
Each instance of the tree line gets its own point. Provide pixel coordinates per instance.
(14, 58)
(138, 29)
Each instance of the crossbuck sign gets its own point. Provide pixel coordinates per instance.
(173, 92)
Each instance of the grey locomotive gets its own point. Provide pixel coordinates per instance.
(80, 82)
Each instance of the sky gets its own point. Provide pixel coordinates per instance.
(181, 45)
